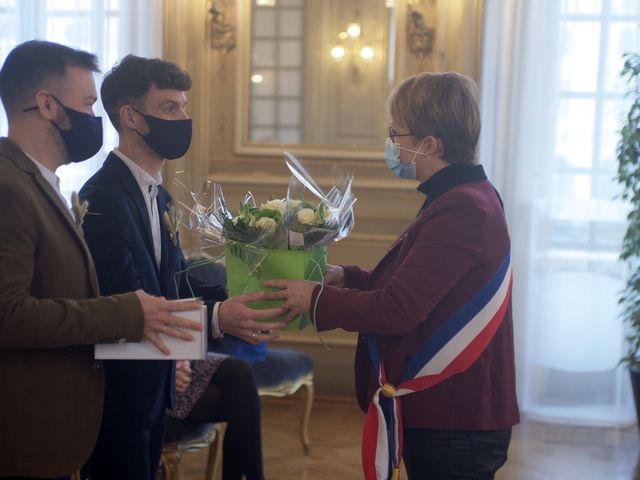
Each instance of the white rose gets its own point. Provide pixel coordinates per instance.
(294, 203)
(267, 224)
(276, 204)
(306, 216)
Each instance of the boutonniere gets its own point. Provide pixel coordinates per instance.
(78, 208)
(172, 218)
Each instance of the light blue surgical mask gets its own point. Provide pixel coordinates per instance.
(392, 159)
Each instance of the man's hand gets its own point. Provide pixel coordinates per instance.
(183, 375)
(158, 319)
(239, 320)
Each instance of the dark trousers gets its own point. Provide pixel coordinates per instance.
(454, 455)
(131, 434)
(128, 454)
(30, 478)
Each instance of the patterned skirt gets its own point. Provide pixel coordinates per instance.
(201, 373)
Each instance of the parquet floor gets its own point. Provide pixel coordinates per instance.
(538, 451)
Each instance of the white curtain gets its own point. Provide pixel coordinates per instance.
(552, 104)
(109, 28)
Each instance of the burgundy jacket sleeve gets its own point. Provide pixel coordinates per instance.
(356, 277)
(440, 248)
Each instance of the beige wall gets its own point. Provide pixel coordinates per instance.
(385, 205)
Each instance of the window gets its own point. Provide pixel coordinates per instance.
(277, 45)
(578, 335)
(103, 27)
(552, 105)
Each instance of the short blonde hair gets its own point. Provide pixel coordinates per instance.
(444, 105)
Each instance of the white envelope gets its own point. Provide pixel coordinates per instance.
(144, 350)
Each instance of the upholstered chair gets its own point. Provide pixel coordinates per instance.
(183, 437)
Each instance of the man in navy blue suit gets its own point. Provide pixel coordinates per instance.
(134, 248)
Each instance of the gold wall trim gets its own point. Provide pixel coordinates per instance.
(264, 179)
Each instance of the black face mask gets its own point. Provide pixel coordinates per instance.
(84, 139)
(170, 139)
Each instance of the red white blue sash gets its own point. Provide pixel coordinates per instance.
(453, 348)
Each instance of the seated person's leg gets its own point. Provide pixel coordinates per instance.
(232, 396)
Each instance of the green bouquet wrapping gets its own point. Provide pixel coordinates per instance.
(282, 238)
(248, 267)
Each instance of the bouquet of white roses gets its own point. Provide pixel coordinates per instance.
(254, 225)
(293, 222)
(280, 238)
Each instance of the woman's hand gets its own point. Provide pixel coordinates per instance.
(334, 276)
(183, 375)
(296, 293)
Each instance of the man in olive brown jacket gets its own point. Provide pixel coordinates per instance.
(51, 312)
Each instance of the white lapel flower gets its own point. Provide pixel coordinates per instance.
(78, 208)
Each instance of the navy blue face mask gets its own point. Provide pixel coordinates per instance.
(84, 139)
(170, 139)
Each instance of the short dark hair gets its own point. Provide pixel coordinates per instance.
(32, 64)
(131, 78)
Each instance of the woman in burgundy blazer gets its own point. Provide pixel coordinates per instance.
(460, 427)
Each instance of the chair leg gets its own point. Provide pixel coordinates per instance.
(304, 424)
(215, 452)
(170, 463)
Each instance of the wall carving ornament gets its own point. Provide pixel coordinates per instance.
(223, 30)
(421, 38)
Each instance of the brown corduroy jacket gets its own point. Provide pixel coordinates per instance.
(51, 315)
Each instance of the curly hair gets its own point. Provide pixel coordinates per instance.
(130, 80)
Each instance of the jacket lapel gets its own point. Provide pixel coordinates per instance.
(165, 278)
(24, 163)
(170, 276)
(55, 200)
(130, 186)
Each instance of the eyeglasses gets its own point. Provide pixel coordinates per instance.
(393, 134)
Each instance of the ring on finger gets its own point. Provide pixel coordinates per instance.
(254, 334)
(164, 327)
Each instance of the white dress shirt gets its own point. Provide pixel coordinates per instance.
(51, 178)
(149, 188)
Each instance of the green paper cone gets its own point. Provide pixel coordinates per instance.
(248, 267)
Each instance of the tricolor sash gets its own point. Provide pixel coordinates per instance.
(453, 348)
